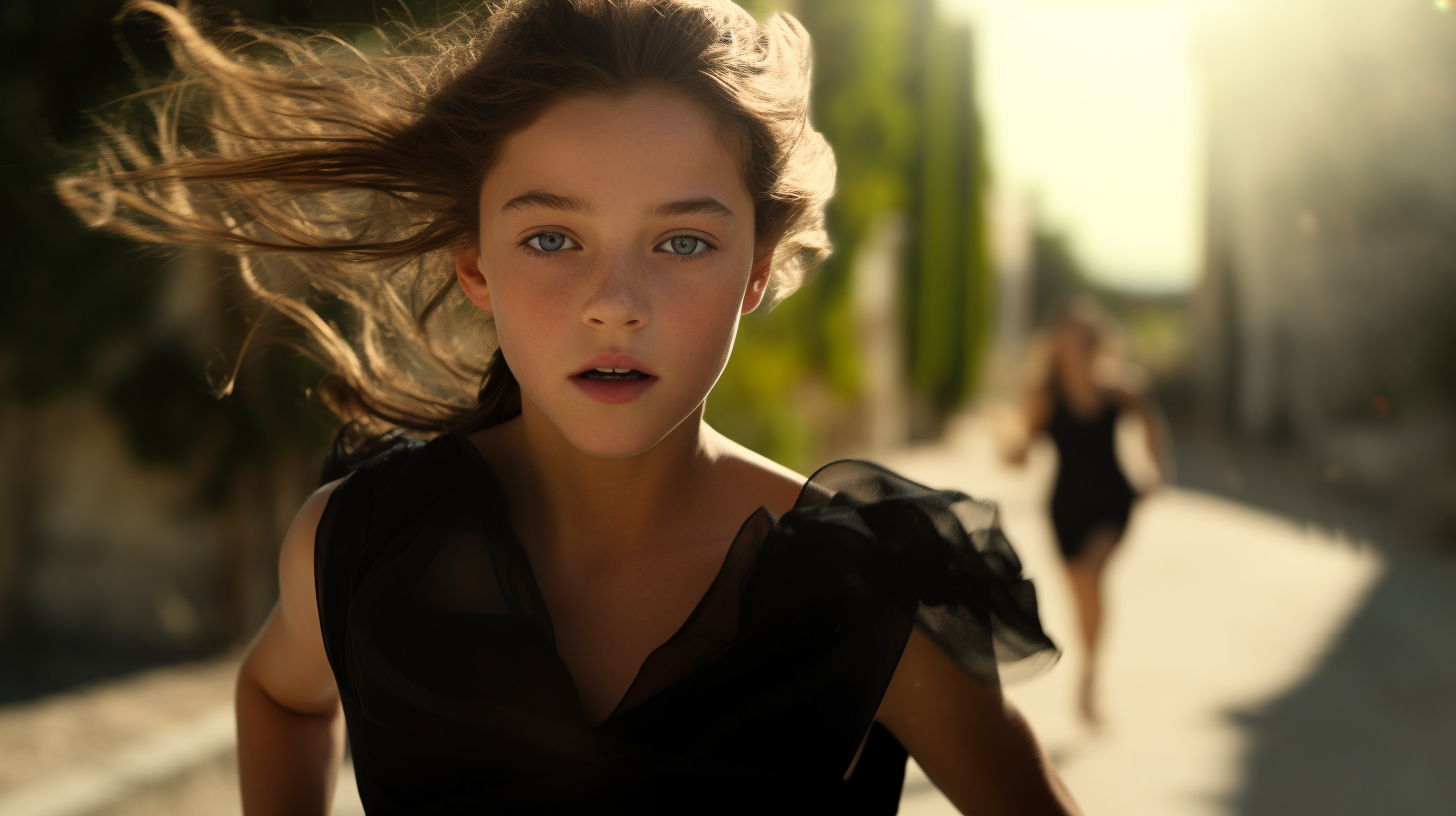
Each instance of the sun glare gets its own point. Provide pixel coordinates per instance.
(1092, 113)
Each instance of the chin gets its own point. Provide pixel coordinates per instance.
(610, 440)
(615, 431)
(611, 432)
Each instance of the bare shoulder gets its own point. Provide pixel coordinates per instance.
(1126, 383)
(298, 543)
(763, 481)
(297, 600)
(287, 659)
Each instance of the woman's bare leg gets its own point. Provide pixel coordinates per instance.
(1086, 571)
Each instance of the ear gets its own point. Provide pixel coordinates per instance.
(758, 280)
(472, 280)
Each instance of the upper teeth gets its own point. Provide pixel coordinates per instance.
(614, 370)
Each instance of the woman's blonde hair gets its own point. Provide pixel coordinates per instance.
(345, 181)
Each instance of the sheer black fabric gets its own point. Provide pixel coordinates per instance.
(1091, 491)
(456, 699)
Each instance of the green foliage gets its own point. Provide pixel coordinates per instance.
(893, 94)
(863, 70)
(806, 346)
(948, 270)
(760, 9)
(753, 402)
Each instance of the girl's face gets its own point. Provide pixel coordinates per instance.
(617, 254)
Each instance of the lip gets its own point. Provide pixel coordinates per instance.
(613, 392)
(614, 361)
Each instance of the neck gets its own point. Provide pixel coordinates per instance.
(599, 507)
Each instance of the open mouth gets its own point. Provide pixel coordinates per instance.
(613, 374)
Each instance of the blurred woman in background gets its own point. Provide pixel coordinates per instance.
(1077, 398)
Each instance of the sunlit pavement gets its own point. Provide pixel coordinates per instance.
(1216, 612)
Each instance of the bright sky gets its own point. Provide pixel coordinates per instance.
(1092, 112)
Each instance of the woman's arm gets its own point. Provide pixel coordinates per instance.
(1133, 396)
(1034, 413)
(1155, 436)
(973, 744)
(290, 725)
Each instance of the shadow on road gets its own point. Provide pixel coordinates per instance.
(1283, 482)
(1372, 729)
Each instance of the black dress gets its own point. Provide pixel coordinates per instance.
(456, 701)
(1091, 491)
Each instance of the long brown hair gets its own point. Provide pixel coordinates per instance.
(344, 182)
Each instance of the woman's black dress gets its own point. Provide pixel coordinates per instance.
(456, 701)
(1091, 491)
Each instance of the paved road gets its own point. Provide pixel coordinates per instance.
(1255, 664)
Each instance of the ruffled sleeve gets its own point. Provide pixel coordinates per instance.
(943, 557)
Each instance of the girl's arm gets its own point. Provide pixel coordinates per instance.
(972, 743)
(290, 725)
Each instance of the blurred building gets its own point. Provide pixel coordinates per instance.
(1325, 314)
(140, 514)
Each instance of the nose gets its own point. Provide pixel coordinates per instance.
(617, 299)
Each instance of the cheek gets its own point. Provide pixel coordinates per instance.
(704, 321)
(527, 314)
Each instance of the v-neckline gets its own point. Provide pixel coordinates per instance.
(483, 467)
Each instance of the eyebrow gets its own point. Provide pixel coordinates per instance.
(552, 201)
(707, 205)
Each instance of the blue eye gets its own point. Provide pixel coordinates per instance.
(684, 245)
(550, 242)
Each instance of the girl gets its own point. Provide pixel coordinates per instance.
(556, 605)
(1077, 402)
